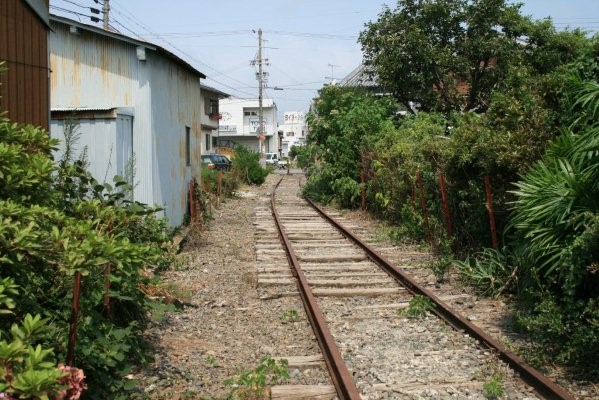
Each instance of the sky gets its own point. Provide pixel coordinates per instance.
(307, 42)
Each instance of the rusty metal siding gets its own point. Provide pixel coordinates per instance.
(91, 70)
(175, 105)
(24, 47)
(105, 142)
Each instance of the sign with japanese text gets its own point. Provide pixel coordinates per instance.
(294, 117)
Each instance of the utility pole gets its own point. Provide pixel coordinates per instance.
(261, 135)
(332, 77)
(106, 11)
(261, 77)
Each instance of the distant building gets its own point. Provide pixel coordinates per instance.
(362, 77)
(210, 118)
(294, 131)
(24, 87)
(129, 99)
(239, 125)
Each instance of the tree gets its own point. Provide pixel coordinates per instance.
(444, 54)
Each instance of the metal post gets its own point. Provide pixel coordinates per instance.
(106, 13)
(192, 210)
(490, 210)
(362, 191)
(445, 205)
(74, 318)
(423, 204)
(107, 309)
(219, 188)
(261, 135)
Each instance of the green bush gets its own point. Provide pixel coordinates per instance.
(229, 181)
(247, 165)
(56, 221)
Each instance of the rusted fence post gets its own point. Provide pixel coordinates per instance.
(423, 204)
(192, 210)
(74, 318)
(362, 190)
(219, 186)
(490, 210)
(445, 205)
(413, 196)
(107, 272)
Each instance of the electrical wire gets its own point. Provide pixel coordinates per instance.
(315, 35)
(70, 11)
(76, 4)
(147, 29)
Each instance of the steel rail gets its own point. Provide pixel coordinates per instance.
(342, 380)
(543, 385)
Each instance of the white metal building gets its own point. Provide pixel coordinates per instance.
(239, 124)
(294, 130)
(129, 98)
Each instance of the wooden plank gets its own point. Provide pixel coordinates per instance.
(348, 283)
(348, 275)
(357, 292)
(278, 295)
(418, 386)
(308, 236)
(272, 270)
(275, 282)
(303, 362)
(340, 267)
(333, 258)
(405, 304)
(296, 392)
(275, 276)
(392, 306)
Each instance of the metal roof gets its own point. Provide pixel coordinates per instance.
(83, 109)
(123, 38)
(359, 77)
(40, 7)
(215, 91)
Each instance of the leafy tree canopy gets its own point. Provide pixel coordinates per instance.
(450, 54)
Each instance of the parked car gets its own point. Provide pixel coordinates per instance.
(274, 160)
(216, 161)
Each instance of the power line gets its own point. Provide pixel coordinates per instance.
(241, 32)
(186, 35)
(75, 13)
(315, 35)
(134, 20)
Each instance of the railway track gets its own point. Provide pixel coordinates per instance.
(352, 295)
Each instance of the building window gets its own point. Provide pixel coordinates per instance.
(211, 106)
(250, 113)
(208, 142)
(187, 146)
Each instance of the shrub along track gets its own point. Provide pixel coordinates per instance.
(386, 355)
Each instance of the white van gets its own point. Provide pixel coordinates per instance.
(272, 159)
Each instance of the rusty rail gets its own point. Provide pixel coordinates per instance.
(342, 380)
(543, 385)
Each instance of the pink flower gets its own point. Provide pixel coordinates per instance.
(74, 382)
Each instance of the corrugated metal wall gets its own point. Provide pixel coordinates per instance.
(176, 104)
(105, 142)
(95, 71)
(91, 71)
(24, 47)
